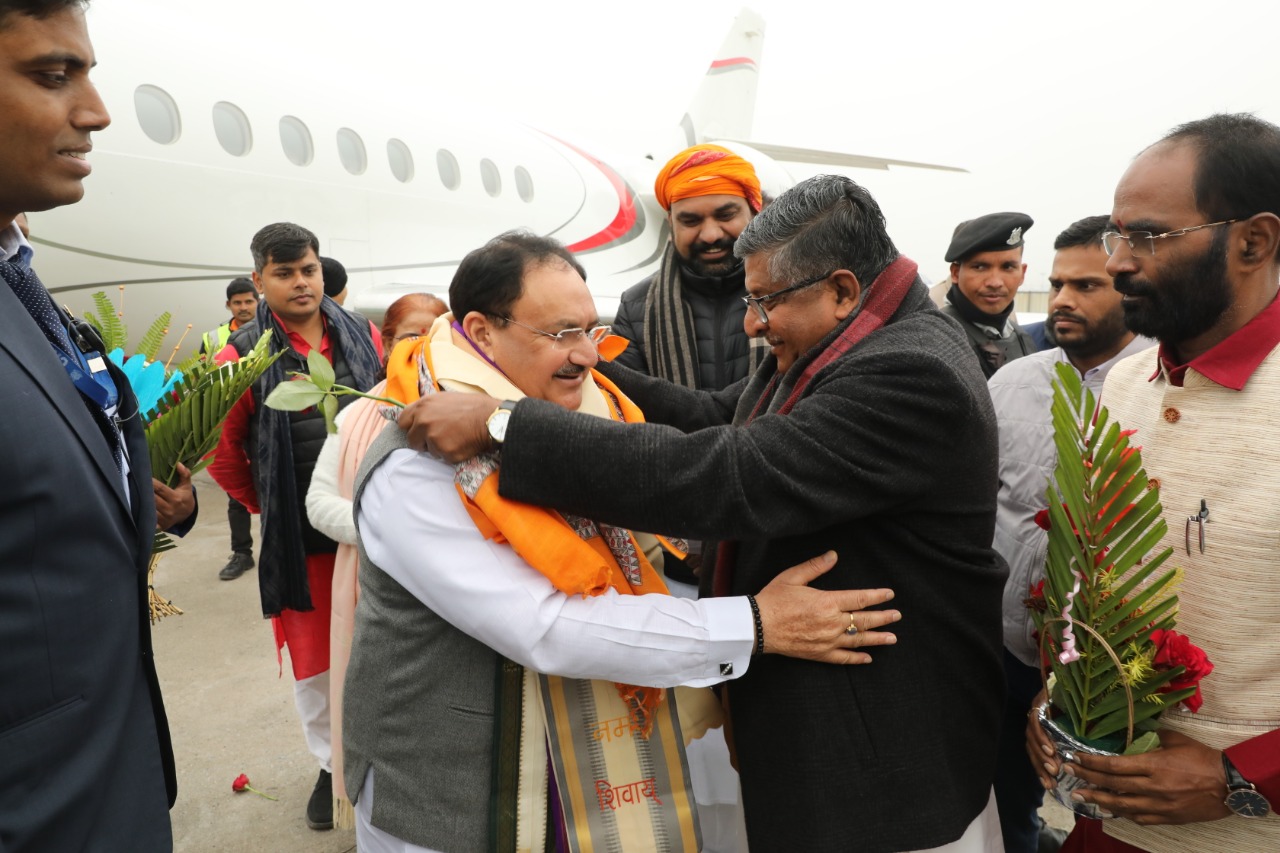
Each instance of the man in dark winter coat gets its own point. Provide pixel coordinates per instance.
(685, 321)
(845, 439)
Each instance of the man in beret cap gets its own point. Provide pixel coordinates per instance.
(986, 271)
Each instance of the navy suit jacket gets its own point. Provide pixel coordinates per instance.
(85, 757)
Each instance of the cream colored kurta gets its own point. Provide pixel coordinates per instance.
(1207, 442)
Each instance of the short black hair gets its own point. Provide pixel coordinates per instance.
(335, 276)
(1082, 232)
(281, 242)
(1237, 164)
(39, 9)
(241, 285)
(491, 279)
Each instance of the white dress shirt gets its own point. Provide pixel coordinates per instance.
(414, 527)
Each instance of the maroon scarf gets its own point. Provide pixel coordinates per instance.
(880, 302)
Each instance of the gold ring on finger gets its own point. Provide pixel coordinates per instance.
(852, 629)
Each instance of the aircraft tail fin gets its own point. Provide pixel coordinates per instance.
(725, 103)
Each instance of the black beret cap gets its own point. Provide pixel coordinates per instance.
(995, 232)
(335, 276)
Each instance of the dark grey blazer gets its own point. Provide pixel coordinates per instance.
(85, 756)
(889, 459)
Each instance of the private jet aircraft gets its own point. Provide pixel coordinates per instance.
(193, 164)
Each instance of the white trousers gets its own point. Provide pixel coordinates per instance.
(311, 696)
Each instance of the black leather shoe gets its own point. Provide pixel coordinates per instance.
(236, 566)
(320, 806)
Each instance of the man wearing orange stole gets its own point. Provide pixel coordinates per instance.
(454, 738)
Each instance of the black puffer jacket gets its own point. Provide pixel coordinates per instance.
(718, 309)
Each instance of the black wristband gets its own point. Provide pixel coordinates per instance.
(755, 617)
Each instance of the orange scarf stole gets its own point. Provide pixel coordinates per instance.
(543, 537)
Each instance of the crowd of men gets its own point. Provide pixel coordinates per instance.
(790, 399)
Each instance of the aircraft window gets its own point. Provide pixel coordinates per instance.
(296, 141)
(490, 178)
(447, 164)
(157, 114)
(231, 126)
(401, 160)
(351, 151)
(524, 183)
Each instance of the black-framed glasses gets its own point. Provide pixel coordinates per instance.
(569, 338)
(1143, 243)
(756, 303)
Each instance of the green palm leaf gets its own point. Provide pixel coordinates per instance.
(185, 427)
(149, 344)
(1115, 582)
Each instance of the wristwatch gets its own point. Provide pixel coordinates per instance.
(1243, 797)
(497, 422)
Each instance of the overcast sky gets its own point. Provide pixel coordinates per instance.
(1045, 104)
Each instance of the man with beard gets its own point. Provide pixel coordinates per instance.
(684, 322)
(1193, 238)
(986, 271)
(1087, 324)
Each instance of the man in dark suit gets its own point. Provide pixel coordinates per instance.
(85, 757)
(868, 431)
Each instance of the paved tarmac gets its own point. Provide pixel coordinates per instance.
(231, 712)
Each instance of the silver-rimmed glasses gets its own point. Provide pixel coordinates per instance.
(1143, 243)
(756, 303)
(569, 338)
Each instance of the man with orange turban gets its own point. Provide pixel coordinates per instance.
(684, 322)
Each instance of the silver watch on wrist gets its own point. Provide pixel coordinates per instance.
(1243, 797)
(497, 422)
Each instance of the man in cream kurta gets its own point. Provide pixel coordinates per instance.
(1193, 241)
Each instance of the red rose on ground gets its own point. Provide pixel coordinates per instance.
(241, 784)
(1174, 649)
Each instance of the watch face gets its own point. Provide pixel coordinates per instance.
(1248, 803)
(498, 424)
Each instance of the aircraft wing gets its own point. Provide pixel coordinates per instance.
(835, 158)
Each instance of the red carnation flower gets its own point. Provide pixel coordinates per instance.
(1174, 649)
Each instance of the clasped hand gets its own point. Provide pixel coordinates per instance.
(1181, 782)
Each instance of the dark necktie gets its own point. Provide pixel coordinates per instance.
(35, 298)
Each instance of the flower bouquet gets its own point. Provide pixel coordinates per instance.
(1106, 610)
(183, 408)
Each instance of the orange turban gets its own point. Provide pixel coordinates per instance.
(707, 170)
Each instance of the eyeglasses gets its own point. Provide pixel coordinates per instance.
(756, 303)
(569, 338)
(1143, 243)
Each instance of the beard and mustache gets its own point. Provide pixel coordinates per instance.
(1192, 295)
(709, 269)
(1091, 337)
